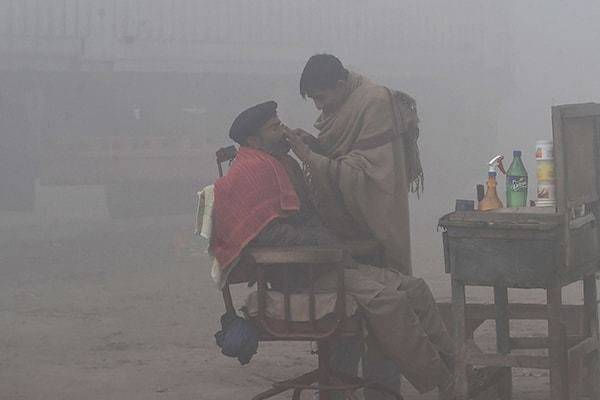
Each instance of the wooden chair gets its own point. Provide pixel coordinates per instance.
(334, 325)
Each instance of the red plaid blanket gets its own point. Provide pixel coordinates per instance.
(256, 190)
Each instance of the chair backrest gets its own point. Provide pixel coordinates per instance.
(225, 154)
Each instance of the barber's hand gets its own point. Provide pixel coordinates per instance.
(299, 147)
(312, 142)
(302, 134)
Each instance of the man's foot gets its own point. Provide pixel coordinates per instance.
(446, 390)
(478, 380)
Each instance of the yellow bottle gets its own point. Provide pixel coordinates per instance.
(490, 200)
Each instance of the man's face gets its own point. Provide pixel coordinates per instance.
(271, 137)
(328, 100)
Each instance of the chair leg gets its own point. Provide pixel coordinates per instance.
(559, 389)
(269, 393)
(324, 355)
(296, 395)
(382, 389)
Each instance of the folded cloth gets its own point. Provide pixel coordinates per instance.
(206, 200)
(238, 338)
(204, 226)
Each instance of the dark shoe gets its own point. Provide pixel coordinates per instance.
(446, 390)
(480, 379)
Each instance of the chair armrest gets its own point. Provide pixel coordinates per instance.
(296, 255)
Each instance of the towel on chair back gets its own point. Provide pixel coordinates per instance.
(256, 190)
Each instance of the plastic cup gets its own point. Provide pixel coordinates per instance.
(544, 150)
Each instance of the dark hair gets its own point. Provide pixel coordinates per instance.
(322, 71)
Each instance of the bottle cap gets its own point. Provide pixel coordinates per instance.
(492, 173)
(517, 153)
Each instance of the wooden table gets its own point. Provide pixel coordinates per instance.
(545, 248)
(523, 248)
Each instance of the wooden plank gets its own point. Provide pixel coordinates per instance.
(592, 379)
(559, 161)
(296, 254)
(590, 297)
(530, 343)
(511, 218)
(580, 159)
(597, 150)
(575, 134)
(570, 313)
(504, 262)
(499, 360)
(579, 110)
(559, 385)
(446, 246)
(584, 247)
(503, 339)
(466, 232)
(460, 360)
(586, 346)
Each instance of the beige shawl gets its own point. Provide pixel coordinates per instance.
(370, 161)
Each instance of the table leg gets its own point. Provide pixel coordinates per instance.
(503, 339)
(324, 372)
(591, 329)
(460, 365)
(559, 389)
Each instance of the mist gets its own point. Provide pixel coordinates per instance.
(111, 112)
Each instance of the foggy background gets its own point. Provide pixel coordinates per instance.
(111, 111)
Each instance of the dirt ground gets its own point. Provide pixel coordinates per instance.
(97, 309)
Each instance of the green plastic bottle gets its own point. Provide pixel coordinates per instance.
(516, 182)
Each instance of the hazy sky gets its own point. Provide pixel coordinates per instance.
(485, 73)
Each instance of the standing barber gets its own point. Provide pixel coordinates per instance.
(360, 169)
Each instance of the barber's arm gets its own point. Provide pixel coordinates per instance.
(368, 152)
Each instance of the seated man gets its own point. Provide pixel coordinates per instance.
(263, 201)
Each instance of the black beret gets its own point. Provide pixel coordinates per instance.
(251, 120)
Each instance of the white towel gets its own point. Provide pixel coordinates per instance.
(204, 225)
(206, 199)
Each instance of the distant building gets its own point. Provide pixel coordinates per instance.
(88, 71)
